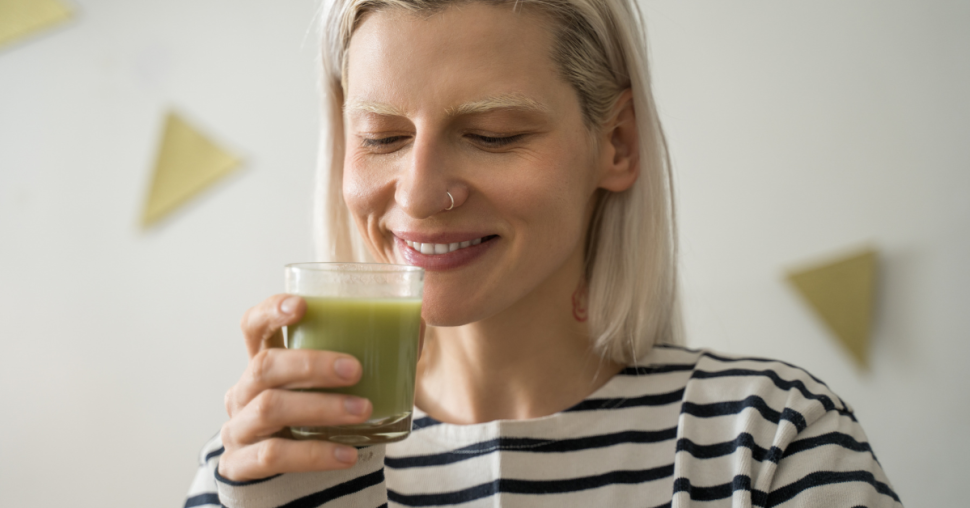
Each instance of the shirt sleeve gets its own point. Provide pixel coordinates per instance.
(830, 463)
(361, 486)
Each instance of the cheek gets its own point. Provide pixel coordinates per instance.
(354, 192)
(365, 197)
(361, 191)
(549, 201)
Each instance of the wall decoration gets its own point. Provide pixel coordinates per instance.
(21, 18)
(841, 292)
(188, 162)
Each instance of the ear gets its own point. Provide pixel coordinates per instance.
(620, 147)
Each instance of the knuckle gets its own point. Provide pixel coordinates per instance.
(315, 455)
(307, 366)
(259, 366)
(226, 465)
(265, 404)
(225, 434)
(246, 323)
(268, 453)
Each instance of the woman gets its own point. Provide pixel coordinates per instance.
(514, 151)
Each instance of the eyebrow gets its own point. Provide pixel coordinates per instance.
(377, 108)
(496, 102)
(506, 101)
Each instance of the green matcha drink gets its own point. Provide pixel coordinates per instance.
(382, 334)
(372, 312)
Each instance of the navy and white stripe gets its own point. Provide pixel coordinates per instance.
(685, 428)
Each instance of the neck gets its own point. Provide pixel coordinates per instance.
(530, 360)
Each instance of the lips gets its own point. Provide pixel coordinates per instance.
(444, 252)
(433, 249)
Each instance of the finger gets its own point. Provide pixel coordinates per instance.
(262, 324)
(273, 410)
(293, 368)
(276, 455)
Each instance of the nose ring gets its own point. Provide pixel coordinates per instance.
(452, 200)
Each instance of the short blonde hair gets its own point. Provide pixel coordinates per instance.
(631, 258)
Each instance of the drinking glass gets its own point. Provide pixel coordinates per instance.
(373, 312)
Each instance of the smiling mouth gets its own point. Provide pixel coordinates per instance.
(434, 249)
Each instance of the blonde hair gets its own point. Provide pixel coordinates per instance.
(631, 259)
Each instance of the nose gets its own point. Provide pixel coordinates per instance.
(427, 177)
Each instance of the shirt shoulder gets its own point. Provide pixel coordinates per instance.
(772, 431)
(778, 390)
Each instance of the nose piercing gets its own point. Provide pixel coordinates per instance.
(452, 200)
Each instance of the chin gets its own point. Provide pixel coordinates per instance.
(447, 314)
(444, 308)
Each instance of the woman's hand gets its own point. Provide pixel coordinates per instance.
(261, 404)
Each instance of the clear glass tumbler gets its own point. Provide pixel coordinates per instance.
(373, 312)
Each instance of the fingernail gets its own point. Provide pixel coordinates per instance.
(289, 305)
(345, 367)
(345, 454)
(355, 405)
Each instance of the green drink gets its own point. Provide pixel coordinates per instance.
(373, 312)
(383, 336)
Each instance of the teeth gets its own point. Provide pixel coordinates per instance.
(440, 248)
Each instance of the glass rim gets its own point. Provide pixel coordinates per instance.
(336, 266)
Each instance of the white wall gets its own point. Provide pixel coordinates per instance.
(119, 344)
(796, 130)
(800, 129)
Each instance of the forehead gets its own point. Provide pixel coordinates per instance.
(463, 53)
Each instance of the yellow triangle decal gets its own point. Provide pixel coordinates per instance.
(188, 162)
(21, 18)
(841, 293)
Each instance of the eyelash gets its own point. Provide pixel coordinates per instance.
(380, 143)
(490, 141)
(496, 142)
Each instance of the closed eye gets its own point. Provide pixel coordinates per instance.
(381, 142)
(495, 142)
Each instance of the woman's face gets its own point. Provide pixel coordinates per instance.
(467, 101)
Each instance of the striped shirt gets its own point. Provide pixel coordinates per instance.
(685, 428)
